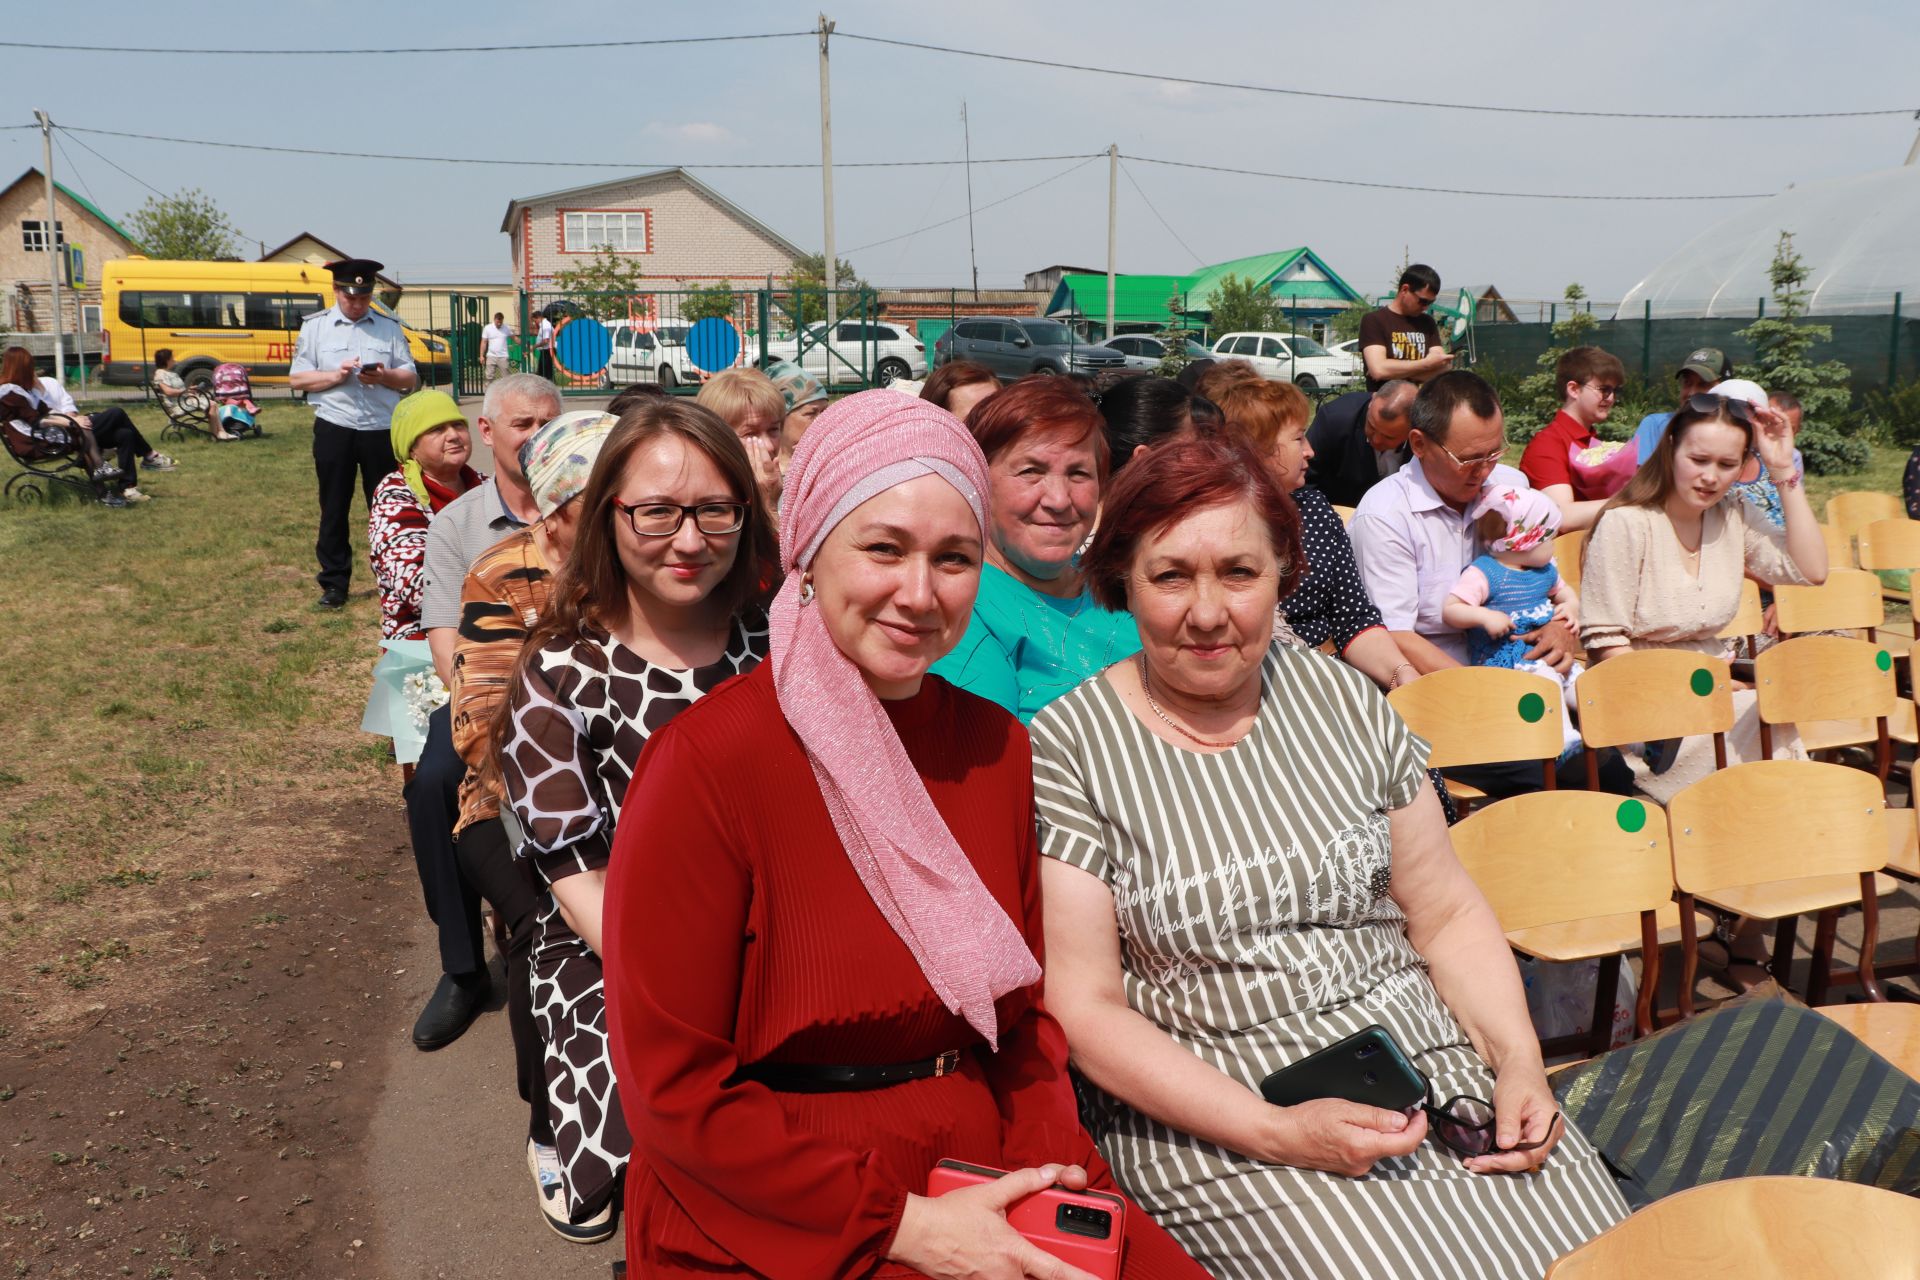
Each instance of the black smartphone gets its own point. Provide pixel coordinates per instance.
(1367, 1067)
(375, 367)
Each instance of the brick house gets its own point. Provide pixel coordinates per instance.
(23, 255)
(678, 228)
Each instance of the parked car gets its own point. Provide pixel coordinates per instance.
(1287, 357)
(888, 351)
(1015, 346)
(654, 354)
(1351, 349)
(1144, 351)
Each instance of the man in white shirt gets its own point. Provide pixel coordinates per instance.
(493, 345)
(543, 344)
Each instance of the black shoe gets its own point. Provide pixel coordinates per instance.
(333, 598)
(450, 1011)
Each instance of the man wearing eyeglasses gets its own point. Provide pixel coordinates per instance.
(1401, 340)
(1412, 538)
(1567, 461)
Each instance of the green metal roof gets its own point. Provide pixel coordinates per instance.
(95, 210)
(1136, 299)
(1263, 268)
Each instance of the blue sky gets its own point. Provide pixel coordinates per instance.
(758, 102)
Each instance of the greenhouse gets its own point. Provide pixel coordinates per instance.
(1856, 235)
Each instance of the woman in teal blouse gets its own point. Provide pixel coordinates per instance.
(1035, 631)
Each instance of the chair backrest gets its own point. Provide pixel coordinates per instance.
(1848, 600)
(1890, 544)
(1854, 510)
(1345, 513)
(1567, 550)
(1839, 547)
(1555, 856)
(1759, 1229)
(1645, 694)
(1750, 618)
(1776, 820)
(1482, 715)
(1824, 678)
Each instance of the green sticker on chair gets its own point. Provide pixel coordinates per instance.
(1631, 815)
(1532, 707)
(1702, 684)
(1883, 660)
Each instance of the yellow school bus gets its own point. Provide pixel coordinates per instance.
(214, 313)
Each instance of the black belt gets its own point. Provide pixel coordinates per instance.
(803, 1077)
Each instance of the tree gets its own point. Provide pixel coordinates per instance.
(1173, 339)
(1240, 304)
(185, 226)
(604, 285)
(806, 286)
(1538, 398)
(1783, 346)
(712, 301)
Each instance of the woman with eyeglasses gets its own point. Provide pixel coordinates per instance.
(1244, 863)
(653, 608)
(1666, 557)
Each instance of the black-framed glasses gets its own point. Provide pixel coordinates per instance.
(1485, 462)
(1707, 402)
(1607, 390)
(663, 519)
(1466, 1125)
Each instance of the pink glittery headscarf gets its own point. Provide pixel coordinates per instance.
(919, 877)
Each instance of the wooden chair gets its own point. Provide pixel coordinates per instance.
(1759, 1229)
(1578, 875)
(1849, 600)
(1345, 513)
(1644, 695)
(1840, 692)
(1774, 840)
(1749, 620)
(1890, 544)
(1483, 715)
(1855, 509)
(1891, 1030)
(1839, 547)
(1567, 550)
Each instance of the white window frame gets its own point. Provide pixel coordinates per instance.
(33, 234)
(90, 317)
(585, 230)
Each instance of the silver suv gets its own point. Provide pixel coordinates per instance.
(1015, 346)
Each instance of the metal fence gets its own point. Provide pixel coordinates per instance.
(674, 338)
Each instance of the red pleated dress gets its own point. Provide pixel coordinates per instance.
(738, 932)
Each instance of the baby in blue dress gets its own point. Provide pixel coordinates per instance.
(1514, 588)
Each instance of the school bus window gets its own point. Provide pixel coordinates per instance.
(147, 310)
(280, 311)
(219, 310)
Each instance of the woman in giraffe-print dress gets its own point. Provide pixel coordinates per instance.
(651, 611)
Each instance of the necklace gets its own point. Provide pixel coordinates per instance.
(1147, 688)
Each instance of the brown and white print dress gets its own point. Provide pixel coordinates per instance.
(581, 714)
(1251, 892)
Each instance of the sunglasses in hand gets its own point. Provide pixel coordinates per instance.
(1466, 1125)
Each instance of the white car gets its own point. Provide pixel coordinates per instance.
(886, 350)
(1145, 351)
(1351, 349)
(1287, 357)
(657, 353)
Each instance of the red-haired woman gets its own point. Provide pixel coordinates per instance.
(958, 385)
(1035, 631)
(1245, 864)
(651, 611)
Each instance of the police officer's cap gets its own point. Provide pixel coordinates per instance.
(355, 275)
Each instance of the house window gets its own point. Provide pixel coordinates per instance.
(588, 230)
(90, 317)
(33, 234)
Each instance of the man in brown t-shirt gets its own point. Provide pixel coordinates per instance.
(1400, 340)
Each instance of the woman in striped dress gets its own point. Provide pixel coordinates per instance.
(1245, 864)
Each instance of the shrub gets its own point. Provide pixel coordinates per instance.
(1829, 453)
(1896, 414)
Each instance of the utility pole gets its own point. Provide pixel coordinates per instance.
(1113, 224)
(830, 264)
(966, 137)
(53, 247)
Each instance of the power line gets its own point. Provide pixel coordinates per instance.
(1197, 259)
(80, 177)
(1441, 191)
(559, 164)
(980, 208)
(81, 142)
(420, 49)
(844, 34)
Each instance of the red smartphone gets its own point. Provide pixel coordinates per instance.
(1085, 1228)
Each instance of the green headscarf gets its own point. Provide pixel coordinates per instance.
(413, 417)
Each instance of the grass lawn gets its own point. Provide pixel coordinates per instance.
(175, 705)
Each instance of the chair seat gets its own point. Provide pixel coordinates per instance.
(1891, 1030)
(1601, 935)
(1776, 899)
(1464, 790)
(1823, 735)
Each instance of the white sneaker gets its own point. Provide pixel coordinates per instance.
(132, 494)
(543, 1162)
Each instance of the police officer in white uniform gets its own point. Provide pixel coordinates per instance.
(353, 363)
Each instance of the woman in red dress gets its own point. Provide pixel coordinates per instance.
(823, 917)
